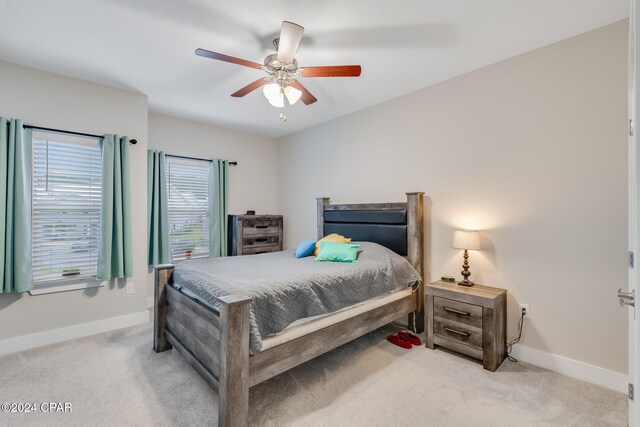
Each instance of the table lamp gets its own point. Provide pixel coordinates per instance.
(464, 239)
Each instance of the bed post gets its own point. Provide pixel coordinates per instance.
(233, 388)
(321, 203)
(415, 252)
(162, 275)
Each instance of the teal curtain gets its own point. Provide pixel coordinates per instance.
(15, 206)
(115, 253)
(219, 200)
(157, 215)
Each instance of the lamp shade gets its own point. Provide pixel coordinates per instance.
(292, 94)
(273, 93)
(463, 239)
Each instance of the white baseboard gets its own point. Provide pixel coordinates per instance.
(25, 342)
(573, 368)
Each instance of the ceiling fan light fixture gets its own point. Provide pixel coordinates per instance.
(273, 93)
(277, 101)
(292, 94)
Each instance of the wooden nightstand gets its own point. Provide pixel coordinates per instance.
(470, 320)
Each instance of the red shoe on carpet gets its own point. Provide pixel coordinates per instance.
(410, 337)
(399, 341)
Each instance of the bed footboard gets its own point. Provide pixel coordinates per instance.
(162, 276)
(234, 363)
(215, 344)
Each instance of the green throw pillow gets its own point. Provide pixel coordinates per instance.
(338, 252)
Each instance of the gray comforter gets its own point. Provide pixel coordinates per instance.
(284, 289)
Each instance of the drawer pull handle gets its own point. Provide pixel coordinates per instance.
(260, 252)
(260, 239)
(461, 313)
(453, 331)
(262, 226)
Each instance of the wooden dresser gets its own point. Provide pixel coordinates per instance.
(470, 320)
(254, 234)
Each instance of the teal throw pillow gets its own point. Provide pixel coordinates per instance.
(337, 252)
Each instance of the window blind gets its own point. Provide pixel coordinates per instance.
(66, 201)
(188, 207)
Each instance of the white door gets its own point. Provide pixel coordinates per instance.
(628, 298)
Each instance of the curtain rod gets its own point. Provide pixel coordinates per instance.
(196, 158)
(89, 135)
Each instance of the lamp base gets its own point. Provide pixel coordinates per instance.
(466, 282)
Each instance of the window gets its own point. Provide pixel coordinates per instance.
(67, 177)
(188, 206)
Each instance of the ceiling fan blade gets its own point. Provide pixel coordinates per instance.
(290, 36)
(251, 87)
(226, 58)
(306, 97)
(331, 71)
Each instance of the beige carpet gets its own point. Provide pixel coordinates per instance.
(116, 379)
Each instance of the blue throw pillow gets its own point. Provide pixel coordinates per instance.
(305, 248)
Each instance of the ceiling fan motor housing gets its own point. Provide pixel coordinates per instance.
(282, 73)
(272, 64)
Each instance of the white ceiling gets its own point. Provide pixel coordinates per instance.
(403, 45)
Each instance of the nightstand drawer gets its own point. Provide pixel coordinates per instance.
(457, 311)
(466, 334)
(459, 347)
(255, 250)
(261, 228)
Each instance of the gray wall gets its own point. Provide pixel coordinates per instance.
(532, 151)
(51, 100)
(252, 184)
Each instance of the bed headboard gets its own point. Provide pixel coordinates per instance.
(398, 226)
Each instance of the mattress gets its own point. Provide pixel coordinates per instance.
(284, 289)
(308, 325)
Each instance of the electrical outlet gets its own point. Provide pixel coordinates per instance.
(525, 308)
(130, 288)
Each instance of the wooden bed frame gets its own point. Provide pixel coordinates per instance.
(217, 344)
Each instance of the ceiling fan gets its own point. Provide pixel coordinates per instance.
(282, 70)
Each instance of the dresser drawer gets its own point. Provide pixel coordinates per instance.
(255, 250)
(260, 228)
(457, 311)
(260, 241)
(460, 332)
